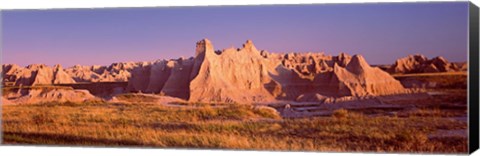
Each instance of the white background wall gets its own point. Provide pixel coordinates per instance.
(80, 151)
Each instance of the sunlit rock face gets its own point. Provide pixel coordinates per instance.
(246, 74)
(421, 64)
(233, 75)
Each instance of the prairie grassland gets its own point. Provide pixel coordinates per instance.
(231, 127)
(447, 80)
(431, 74)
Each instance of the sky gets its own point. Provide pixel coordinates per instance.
(381, 32)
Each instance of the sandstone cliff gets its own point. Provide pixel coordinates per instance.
(116, 72)
(35, 74)
(356, 79)
(41, 95)
(233, 75)
(421, 64)
(247, 75)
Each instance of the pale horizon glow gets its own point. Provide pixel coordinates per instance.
(381, 33)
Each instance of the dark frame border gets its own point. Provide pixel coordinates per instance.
(473, 76)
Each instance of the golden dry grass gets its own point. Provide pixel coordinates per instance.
(231, 127)
(136, 97)
(431, 74)
(446, 80)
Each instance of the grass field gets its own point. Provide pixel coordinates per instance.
(230, 127)
(449, 80)
(15, 89)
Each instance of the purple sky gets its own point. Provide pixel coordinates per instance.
(380, 32)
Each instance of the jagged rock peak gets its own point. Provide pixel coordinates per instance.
(36, 66)
(264, 53)
(415, 57)
(440, 58)
(418, 56)
(57, 67)
(420, 64)
(343, 55)
(249, 46)
(203, 46)
(357, 64)
(343, 59)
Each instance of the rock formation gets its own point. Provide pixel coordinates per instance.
(116, 72)
(247, 75)
(38, 74)
(421, 64)
(356, 79)
(166, 77)
(243, 75)
(35, 74)
(233, 75)
(60, 76)
(28, 96)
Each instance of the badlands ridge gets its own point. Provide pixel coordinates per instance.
(243, 75)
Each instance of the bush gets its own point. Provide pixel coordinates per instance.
(266, 112)
(340, 113)
(132, 97)
(42, 117)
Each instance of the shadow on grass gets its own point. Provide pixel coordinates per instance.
(18, 138)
